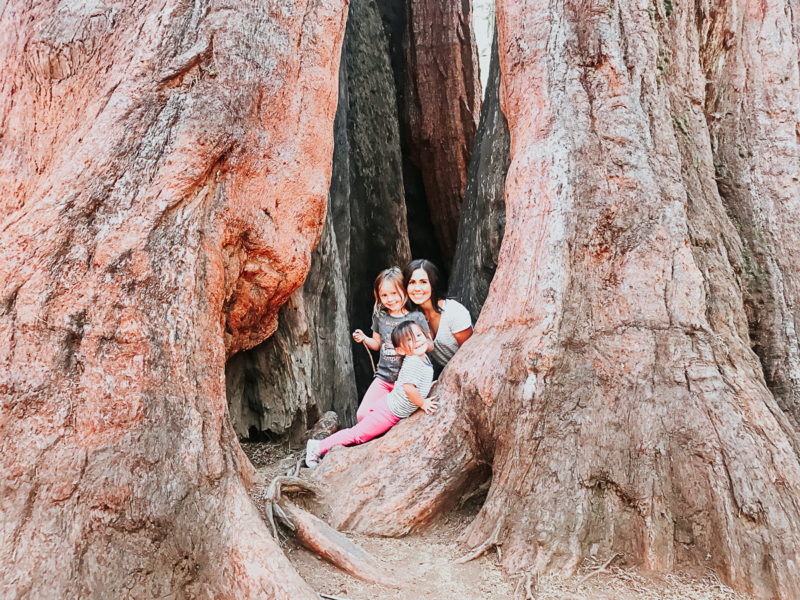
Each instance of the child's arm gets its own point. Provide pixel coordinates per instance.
(427, 404)
(373, 343)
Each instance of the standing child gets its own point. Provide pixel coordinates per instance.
(413, 384)
(390, 310)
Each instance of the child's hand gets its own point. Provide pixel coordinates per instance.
(430, 404)
(359, 336)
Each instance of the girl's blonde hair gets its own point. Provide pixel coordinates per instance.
(391, 275)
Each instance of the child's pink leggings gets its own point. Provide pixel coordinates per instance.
(374, 418)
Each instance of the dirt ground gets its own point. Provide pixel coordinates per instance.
(428, 559)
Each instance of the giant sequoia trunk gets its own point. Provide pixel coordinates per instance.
(441, 103)
(305, 368)
(164, 178)
(755, 126)
(610, 386)
(483, 212)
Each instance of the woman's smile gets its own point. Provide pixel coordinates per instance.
(419, 287)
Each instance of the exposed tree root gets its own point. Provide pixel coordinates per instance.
(319, 537)
(492, 542)
(526, 583)
(601, 569)
(529, 593)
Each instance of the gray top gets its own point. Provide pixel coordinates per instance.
(455, 317)
(389, 362)
(418, 371)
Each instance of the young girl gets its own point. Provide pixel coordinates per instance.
(409, 394)
(390, 310)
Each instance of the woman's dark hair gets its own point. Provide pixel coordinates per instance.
(435, 278)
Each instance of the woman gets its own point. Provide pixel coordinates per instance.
(449, 321)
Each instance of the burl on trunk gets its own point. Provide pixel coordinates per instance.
(610, 386)
(164, 176)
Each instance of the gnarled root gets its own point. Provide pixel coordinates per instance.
(319, 537)
(493, 541)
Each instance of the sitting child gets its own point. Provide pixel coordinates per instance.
(412, 385)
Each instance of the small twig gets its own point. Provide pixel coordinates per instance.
(321, 595)
(268, 510)
(600, 570)
(492, 542)
(279, 512)
(529, 593)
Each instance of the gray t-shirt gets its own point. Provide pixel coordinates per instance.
(455, 317)
(389, 362)
(418, 371)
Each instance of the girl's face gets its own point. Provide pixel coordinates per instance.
(418, 344)
(419, 287)
(391, 296)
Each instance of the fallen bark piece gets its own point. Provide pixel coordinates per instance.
(328, 424)
(319, 537)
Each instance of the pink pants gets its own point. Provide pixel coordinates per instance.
(374, 418)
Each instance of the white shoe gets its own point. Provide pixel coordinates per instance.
(312, 453)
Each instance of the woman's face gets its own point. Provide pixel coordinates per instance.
(419, 287)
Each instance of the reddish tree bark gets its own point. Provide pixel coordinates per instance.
(753, 99)
(164, 178)
(610, 386)
(443, 105)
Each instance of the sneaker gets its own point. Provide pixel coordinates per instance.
(312, 453)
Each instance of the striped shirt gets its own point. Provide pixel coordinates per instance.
(418, 371)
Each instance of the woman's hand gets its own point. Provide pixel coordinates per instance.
(359, 336)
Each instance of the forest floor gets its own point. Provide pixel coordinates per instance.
(428, 559)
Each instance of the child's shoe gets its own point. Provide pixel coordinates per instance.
(312, 453)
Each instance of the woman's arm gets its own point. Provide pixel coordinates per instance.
(462, 336)
(373, 343)
(427, 404)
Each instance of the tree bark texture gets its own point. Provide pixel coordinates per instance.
(422, 236)
(164, 178)
(442, 95)
(378, 226)
(483, 212)
(753, 100)
(610, 385)
(306, 367)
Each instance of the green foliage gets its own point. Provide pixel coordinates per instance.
(681, 122)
